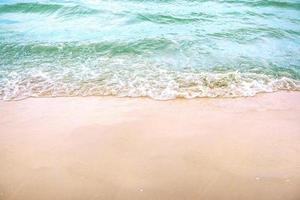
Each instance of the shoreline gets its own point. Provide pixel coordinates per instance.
(140, 148)
(259, 93)
(150, 98)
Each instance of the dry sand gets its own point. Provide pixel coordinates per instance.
(135, 149)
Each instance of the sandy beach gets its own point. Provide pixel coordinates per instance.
(137, 148)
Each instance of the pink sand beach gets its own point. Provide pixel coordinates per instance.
(137, 148)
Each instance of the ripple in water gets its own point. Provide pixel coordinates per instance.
(158, 49)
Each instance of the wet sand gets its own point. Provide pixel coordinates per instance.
(135, 149)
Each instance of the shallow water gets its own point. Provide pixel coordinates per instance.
(160, 49)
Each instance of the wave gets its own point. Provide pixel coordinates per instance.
(265, 3)
(278, 4)
(29, 8)
(112, 48)
(287, 4)
(40, 8)
(244, 35)
(156, 83)
(169, 19)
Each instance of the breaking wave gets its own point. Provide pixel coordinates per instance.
(153, 82)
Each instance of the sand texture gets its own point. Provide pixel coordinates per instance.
(136, 149)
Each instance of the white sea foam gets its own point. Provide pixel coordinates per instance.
(137, 81)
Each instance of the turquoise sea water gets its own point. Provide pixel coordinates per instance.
(161, 49)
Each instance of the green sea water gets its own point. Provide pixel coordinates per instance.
(163, 49)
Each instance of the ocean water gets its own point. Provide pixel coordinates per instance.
(162, 49)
